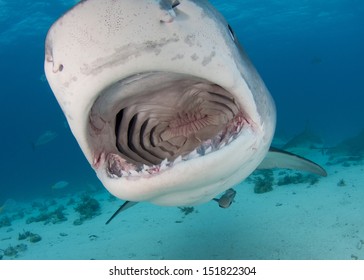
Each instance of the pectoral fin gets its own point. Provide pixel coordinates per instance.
(277, 158)
(123, 207)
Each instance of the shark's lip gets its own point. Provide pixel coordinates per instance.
(120, 160)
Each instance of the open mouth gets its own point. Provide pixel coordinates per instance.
(147, 123)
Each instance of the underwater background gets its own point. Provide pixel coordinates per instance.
(308, 52)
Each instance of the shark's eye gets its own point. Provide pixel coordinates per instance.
(231, 32)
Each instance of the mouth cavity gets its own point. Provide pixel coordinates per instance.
(150, 122)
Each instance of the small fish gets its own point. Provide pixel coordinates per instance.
(44, 138)
(226, 199)
(59, 185)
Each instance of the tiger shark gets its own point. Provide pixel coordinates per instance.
(162, 99)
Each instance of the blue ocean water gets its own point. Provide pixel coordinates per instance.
(309, 53)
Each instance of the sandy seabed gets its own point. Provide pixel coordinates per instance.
(295, 221)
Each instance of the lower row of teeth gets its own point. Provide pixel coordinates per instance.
(118, 167)
(133, 170)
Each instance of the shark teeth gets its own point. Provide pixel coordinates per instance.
(206, 148)
(123, 169)
(133, 173)
(191, 155)
(177, 160)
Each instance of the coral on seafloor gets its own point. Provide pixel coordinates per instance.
(12, 251)
(186, 210)
(32, 237)
(5, 222)
(54, 217)
(24, 235)
(341, 183)
(71, 201)
(298, 178)
(263, 182)
(88, 208)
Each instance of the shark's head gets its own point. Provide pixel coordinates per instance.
(161, 98)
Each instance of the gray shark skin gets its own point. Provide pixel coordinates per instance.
(161, 98)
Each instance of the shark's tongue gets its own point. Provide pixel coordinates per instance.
(155, 127)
